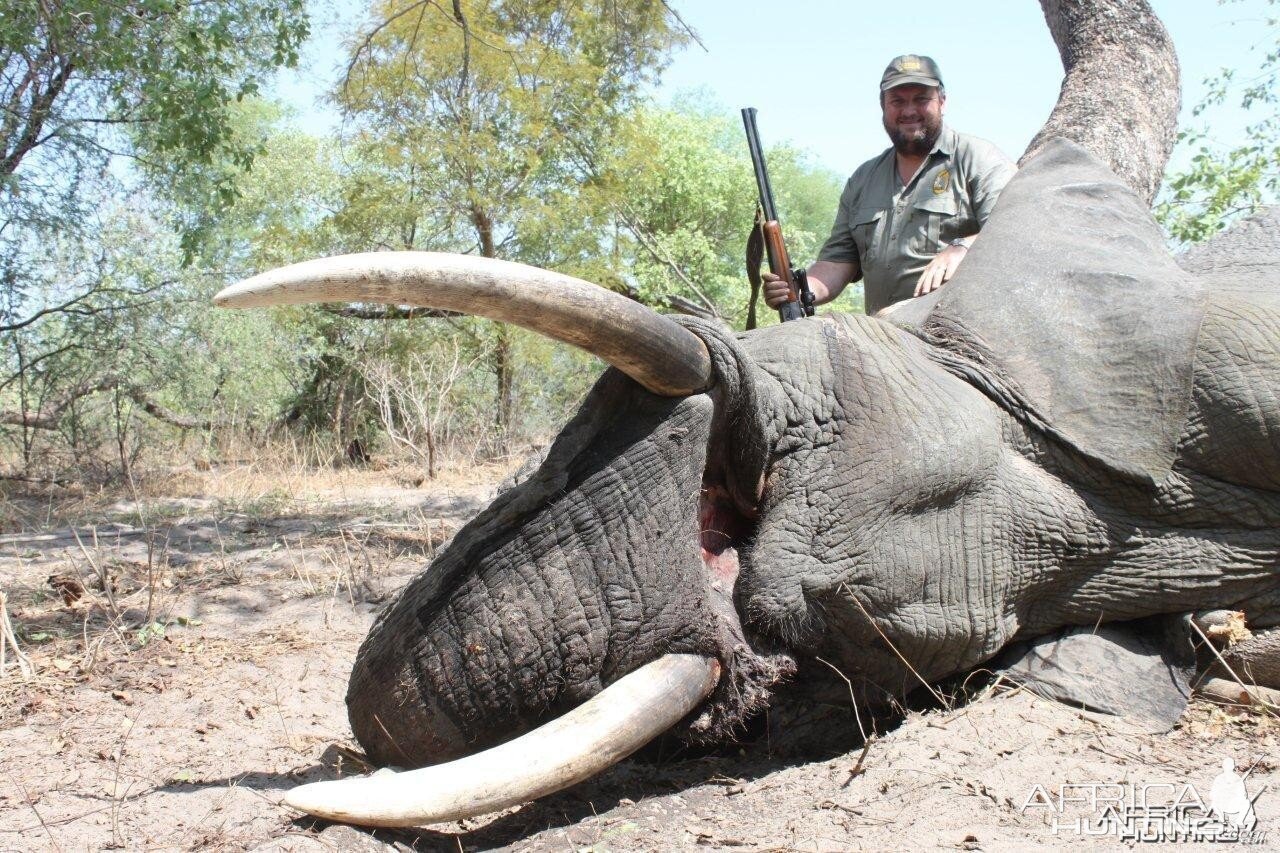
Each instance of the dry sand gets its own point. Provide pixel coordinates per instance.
(184, 734)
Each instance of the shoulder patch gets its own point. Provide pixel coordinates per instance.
(942, 182)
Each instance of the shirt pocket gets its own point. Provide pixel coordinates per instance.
(867, 226)
(935, 216)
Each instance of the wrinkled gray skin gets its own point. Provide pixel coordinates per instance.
(1074, 430)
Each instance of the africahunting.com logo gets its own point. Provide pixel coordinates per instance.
(1161, 812)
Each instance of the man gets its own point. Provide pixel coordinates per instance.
(908, 217)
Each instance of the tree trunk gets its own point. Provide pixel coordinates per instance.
(503, 368)
(431, 448)
(28, 435)
(1120, 91)
(122, 436)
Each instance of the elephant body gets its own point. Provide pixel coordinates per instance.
(1075, 430)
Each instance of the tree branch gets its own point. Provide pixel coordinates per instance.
(466, 46)
(683, 305)
(160, 413)
(22, 324)
(689, 31)
(41, 106)
(387, 312)
(50, 415)
(650, 245)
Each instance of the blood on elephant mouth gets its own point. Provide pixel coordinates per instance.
(722, 530)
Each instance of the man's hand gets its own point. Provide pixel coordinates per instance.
(940, 269)
(776, 291)
(826, 280)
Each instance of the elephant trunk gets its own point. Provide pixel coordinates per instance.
(1120, 91)
(585, 572)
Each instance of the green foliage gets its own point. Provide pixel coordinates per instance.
(289, 207)
(471, 125)
(509, 128)
(150, 632)
(104, 102)
(145, 325)
(1225, 182)
(85, 79)
(680, 184)
(479, 114)
(685, 199)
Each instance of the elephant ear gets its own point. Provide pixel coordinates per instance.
(1070, 312)
(1244, 258)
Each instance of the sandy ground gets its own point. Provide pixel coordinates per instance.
(172, 714)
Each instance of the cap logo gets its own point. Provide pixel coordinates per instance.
(910, 64)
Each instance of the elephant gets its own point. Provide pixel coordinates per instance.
(1075, 430)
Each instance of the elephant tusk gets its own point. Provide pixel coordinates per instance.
(589, 739)
(661, 355)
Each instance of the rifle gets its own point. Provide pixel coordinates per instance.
(800, 301)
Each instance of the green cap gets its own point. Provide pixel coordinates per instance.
(909, 68)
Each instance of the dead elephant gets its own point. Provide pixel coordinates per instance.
(1074, 430)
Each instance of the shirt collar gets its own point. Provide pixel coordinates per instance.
(946, 143)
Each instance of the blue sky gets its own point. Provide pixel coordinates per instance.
(811, 68)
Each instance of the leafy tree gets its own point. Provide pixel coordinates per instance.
(90, 383)
(1225, 182)
(135, 348)
(681, 188)
(84, 80)
(480, 113)
(96, 99)
(291, 206)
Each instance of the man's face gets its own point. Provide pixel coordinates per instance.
(913, 117)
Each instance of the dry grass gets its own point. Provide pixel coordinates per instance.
(198, 631)
(140, 726)
(254, 485)
(97, 583)
(237, 473)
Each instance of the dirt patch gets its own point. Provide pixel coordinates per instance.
(200, 671)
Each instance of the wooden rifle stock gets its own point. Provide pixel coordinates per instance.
(780, 265)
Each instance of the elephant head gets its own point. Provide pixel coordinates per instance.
(1052, 439)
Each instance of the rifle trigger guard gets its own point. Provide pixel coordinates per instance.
(807, 299)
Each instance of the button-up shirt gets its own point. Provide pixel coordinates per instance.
(891, 231)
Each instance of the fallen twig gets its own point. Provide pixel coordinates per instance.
(857, 767)
(7, 640)
(1226, 690)
(32, 805)
(852, 700)
(33, 538)
(99, 570)
(1258, 695)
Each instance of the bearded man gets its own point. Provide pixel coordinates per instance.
(907, 217)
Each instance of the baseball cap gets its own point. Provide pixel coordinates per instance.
(910, 68)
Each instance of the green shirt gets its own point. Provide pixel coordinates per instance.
(891, 231)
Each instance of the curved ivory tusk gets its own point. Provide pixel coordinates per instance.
(661, 355)
(589, 739)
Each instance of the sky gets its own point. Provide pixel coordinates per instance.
(812, 67)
